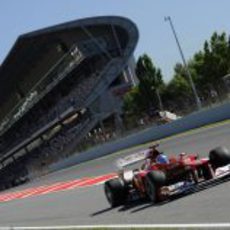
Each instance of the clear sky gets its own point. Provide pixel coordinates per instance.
(194, 20)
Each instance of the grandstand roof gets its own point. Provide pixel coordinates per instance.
(34, 53)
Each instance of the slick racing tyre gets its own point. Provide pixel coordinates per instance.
(115, 192)
(219, 157)
(153, 181)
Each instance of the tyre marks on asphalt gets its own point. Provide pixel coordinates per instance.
(57, 187)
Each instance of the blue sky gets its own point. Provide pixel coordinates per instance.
(194, 21)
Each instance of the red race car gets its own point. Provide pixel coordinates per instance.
(158, 180)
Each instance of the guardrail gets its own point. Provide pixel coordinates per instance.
(191, 121)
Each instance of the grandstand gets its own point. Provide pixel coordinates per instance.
(59, 86)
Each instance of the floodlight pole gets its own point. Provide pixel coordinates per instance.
(198, 102)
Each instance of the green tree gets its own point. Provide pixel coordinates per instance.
(212, 63)
(132, 103)
(178, 93)
(145, 96)
(207, 67)
(150, 82)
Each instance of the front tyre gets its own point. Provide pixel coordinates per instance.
(153, 181)
(219, 157)
(115, 192)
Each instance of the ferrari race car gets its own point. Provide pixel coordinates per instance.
(161, 181)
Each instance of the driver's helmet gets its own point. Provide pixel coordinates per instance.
(153, 152)
(182, 155)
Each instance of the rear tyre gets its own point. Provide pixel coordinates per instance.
(153, 181)
(219, 157)
(115, 192)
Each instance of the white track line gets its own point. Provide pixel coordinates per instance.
(140, 226)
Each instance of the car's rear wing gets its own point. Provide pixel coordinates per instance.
(132, 158)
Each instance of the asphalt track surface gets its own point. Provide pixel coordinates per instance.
(88, 206)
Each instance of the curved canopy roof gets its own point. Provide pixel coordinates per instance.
(34, 53)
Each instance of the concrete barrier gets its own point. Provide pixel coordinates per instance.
(191, 121)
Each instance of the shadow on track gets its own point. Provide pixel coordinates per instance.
(101, 212)
(139, 205)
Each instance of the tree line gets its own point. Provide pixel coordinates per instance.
(207, 68)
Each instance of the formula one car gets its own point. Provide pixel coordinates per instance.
(161, 181)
